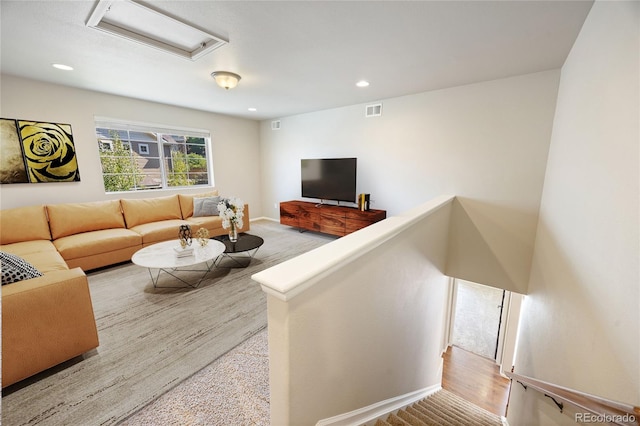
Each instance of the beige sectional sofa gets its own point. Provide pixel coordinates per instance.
(97, 234)
(49, 319)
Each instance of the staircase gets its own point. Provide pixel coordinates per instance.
(441, 408)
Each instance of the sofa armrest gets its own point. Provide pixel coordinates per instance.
(246, 225)
(45, 321)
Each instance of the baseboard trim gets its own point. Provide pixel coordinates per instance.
(379, 409)
(264, 218)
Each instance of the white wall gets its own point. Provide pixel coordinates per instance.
(581, 324)
(486, 143)
(235, 141)
(364, 318)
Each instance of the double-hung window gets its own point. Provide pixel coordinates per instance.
(141, 157)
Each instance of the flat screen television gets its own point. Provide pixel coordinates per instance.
(329, 178)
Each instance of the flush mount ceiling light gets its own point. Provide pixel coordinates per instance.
(133, 21)
(226, 79)
(362, 83)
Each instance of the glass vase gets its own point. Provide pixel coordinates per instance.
(233, 233)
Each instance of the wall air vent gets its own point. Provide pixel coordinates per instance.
(275, 125)
(133, 21)
(373, 110)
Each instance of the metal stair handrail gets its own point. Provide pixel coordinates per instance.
(614, 412)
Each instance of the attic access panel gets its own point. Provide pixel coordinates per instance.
(134, 21)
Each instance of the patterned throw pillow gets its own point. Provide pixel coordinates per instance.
(206, 206)
(16, 269)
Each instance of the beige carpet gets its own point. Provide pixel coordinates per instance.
(152, 339)
(233, 390)
(442, 408)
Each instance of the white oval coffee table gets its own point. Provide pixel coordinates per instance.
(162, 256)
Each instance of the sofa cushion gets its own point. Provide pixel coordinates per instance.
(96, 242)
(146, 210)
(74, 218)
(186, 202)
(211, 223)
(214, 223)
(156, 232)
(41, 254)
(15, 268)
(24, 224)
(46, 262)
(206, 206)
(27, 247)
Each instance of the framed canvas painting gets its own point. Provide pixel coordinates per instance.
(33, 151)
(12, 166)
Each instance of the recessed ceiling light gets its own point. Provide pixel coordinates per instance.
(362, 83)
(62, 67)
(252, 109)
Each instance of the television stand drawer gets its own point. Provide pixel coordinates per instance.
(325, 218)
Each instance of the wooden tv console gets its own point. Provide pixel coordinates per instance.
(328, 219)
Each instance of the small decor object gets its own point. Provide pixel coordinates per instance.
(185, 235)
(202, 235)
(37, 152)
(363, 202)
(183, 251)
(231, 211)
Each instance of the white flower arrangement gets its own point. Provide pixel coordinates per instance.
(231, 211)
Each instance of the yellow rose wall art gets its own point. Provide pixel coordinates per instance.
(47, 151)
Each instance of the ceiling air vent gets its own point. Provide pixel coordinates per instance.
(275, 125)
(373, 110)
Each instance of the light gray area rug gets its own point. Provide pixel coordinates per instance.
(232, 390)
(153, 339)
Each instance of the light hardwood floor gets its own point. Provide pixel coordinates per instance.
(476, 379)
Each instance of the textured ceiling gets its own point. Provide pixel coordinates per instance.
(295, 56)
